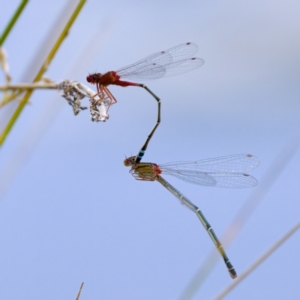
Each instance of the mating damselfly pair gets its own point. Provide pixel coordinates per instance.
(227, 171)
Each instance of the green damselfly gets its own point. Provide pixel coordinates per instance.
(226, 172)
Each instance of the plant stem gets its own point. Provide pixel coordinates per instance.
(78, 295)
(12, 21)
(28, 86)
(38, 77)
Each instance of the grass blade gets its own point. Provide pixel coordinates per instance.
(80, 289)
(12, 21)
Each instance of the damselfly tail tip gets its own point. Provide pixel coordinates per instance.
(233, 274)
(231, 270)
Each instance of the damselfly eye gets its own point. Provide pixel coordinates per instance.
(127, 162)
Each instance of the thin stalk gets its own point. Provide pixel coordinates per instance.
(38, 77)
(8, 97)
(78, 295)
(28, 86)
(12, 21)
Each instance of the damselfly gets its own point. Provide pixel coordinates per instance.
(173, 61)
(227, 172)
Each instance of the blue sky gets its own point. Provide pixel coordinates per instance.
(71, 212)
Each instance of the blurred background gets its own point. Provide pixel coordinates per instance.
(71, 212)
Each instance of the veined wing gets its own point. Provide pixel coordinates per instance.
(154, 71)
(179, 52)
(216, 179)
(239, 163)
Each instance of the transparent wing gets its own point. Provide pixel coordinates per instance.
(157, 65)
(145, 71)
(223, 180)
(239, 163)
(154, 71)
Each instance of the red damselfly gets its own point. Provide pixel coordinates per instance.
(174, 61)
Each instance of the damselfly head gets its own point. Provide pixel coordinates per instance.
(130, 161)
(93, 78)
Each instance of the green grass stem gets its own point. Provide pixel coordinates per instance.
(12, 21)
(43, 69)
